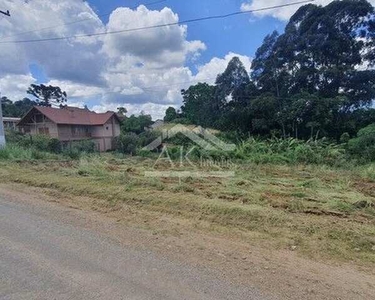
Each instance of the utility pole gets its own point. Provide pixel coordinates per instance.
(2, 135)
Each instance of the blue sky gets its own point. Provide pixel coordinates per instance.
(143, 70)
(240, 34)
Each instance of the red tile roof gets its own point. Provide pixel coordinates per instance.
(73, 115)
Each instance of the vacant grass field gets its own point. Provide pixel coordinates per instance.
(318, 211)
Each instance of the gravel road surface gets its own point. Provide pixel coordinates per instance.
(43, 258)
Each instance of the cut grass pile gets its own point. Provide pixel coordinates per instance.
(319, 211)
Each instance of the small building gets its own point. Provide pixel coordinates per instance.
(10, 123)
(71, 124)
(156, 125)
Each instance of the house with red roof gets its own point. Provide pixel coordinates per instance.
(69, 124)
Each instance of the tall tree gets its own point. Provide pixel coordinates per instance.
(47, 95)
(232, 83)
(122, 111)
(170, 114)
(200, 105)
(321, 52)
(264, 71)
(136, 124)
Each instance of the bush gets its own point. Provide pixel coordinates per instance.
(15, 152)
(72, 153)
(345, 137)
(147, 138)
(45, 143)
(17, 138)
(87, 146)
(290, 151)
(363, 146)
(54, 146)
(127, 143)
(37, 142)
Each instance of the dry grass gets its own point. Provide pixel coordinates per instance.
(324, 213)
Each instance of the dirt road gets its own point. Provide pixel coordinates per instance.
(44, 258)
(57, 248)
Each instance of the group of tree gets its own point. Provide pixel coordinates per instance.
(316, 79)
(42, 95)
(16, 109)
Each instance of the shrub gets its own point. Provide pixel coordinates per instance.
(147, 138)
(290, 151)
(127, 143)
(87, 146)
(54, 146)
(40, 142)
(15, 152)
(36, 154)
(37, 142)
(4, 154)
(363, 146)
(17, 138)
(345, 137)
(72, 153)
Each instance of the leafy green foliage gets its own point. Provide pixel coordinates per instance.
(127, 143)
(363, 146)
(170, 114)
(199, 104)
(16, 152)
(289, 151)
(86, 146)
(37, 142)
(45, 143)
(17, 109)
(135, 124)
(312, 81)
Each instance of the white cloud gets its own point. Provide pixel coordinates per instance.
(164, 89)
(141, 70)
(209, 71)
(163, 47)
(14, 86)
(157, 111)
(77, 90)
(283, 14)
(71, 59)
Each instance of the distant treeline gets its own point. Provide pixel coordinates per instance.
(315, 80)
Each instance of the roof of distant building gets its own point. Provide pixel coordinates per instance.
(72, 115)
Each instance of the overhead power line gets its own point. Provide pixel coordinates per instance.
(158, 26)
(75, 22)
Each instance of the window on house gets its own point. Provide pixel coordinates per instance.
(107, 128)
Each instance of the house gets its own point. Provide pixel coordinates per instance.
(71, 124)
(156, 125)
(10, 123)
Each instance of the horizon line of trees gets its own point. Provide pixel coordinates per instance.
(43, 96)
(315, 80)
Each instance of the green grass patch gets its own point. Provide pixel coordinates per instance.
(315, 208)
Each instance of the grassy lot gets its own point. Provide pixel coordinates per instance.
(321, 212)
